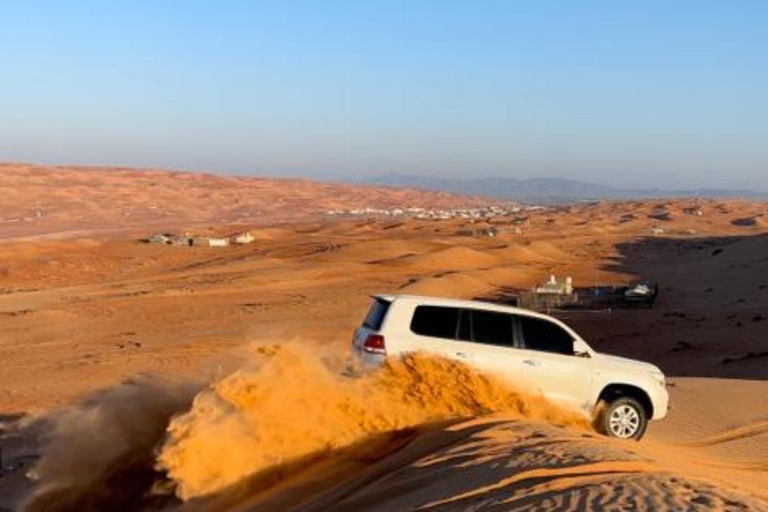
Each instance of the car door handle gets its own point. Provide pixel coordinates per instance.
(463, 355)
(531, 362)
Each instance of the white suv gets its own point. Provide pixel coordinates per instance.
(528, 349)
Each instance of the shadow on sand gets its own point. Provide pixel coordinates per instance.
(711, 315)
(131, 484)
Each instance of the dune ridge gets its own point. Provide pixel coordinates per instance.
(498, 463)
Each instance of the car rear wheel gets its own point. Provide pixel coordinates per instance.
(623, 418)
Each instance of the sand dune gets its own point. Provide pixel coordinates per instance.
(394, 440)
(455, 258)
(87, 307)
(41, 200)
(497, 464)
(451, 285)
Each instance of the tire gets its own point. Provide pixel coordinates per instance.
(624, 418)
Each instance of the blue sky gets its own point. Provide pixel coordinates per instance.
(631, 93)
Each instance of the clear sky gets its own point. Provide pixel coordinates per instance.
(639, 93)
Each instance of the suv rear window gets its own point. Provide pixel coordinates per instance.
(435, 321)
(376, 314)
(545, 336)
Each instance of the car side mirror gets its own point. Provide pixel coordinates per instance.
(579, 350)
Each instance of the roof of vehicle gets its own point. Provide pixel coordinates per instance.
(459, 303)
(476, 304)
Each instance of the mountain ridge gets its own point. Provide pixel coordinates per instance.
(549, 189)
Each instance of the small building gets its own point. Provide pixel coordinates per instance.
(555, 287)
(181, 240)
(243, 238)
(521, 221)
(159, 238)
(693, 210)
(218, 242)
(211, 242)
(660, 212)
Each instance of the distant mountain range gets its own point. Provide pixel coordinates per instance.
(548, 190)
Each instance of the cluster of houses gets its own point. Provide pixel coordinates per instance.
(484, 212)
(489, 232)
(190, 240)
(554, 293)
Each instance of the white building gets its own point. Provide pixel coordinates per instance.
(243, 238)
(553, 287)
(159, 238)
(218, 242)
(211, 242)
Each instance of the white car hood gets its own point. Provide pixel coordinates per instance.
(629, 364)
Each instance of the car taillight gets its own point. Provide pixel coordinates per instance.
(374, 344)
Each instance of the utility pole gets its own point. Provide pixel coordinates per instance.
(595, 268)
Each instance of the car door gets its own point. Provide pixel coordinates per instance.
(550, 366)
(485, 339)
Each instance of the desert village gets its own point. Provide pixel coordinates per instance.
(196, 240)
(485, 221)
(484, 212)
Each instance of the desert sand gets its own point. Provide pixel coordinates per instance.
(106, 341)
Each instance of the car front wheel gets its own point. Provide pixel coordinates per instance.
(623, 418)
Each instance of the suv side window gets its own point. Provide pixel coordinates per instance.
(491, 327)
(465, 325)
(545, 336)
(435, 321)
